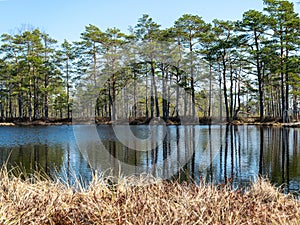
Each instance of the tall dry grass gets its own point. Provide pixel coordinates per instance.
(136, 201)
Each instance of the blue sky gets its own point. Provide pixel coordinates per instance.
(66, 19)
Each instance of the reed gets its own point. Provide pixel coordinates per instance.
(135, 200)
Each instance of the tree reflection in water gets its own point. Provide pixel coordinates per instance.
(214, 154)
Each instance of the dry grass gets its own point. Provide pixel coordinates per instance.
(158, 202)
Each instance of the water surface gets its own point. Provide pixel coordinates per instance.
(216, 153)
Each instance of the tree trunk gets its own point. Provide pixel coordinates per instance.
(1, 111)
(220, 96)
(177, 92)
(30, 100)
(192, 77)
(155, 92)
(259, 78)
(283, 108)
(152, 95)
(68, 90)
(35, 98)
(210, 92)
(225, 90)
(46, 97)
(95, 64)
(10, 105)
(287, 84)
(147, 110)
(295, 107)
(231, 92)
(164, 90)
(134, 95)
(110, 102)
(237, 109)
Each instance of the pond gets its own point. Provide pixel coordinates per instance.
(215, 154)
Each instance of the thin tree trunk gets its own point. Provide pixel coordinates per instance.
(177, 92)
(68, 89)
(109, 100)
(134, 95)
(35, 98)
(46, 97)
(152, 95)
(237, 109)
(113, 97)
(95, 64)
(168, 94)
(164, 90)
(225, 91)
(287, 85)
(10, 105)
(295, 107)
(147, 110)
(259, 78)
(30, 100)
(46, 81)
(1, 111)
(210, 92)
(192, 75)
(231, 92)
(283, 108)
(220, 96)
(155, 92)
(20, 103)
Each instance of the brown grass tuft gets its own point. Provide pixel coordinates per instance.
(138, 201)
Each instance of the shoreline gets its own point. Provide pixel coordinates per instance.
(268, 124)
(146, 121)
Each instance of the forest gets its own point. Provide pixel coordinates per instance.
(222, 70)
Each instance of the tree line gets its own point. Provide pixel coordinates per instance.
(222, 69)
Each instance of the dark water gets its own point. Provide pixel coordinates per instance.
(211, 153)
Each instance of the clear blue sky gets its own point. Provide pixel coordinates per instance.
(66, 19)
